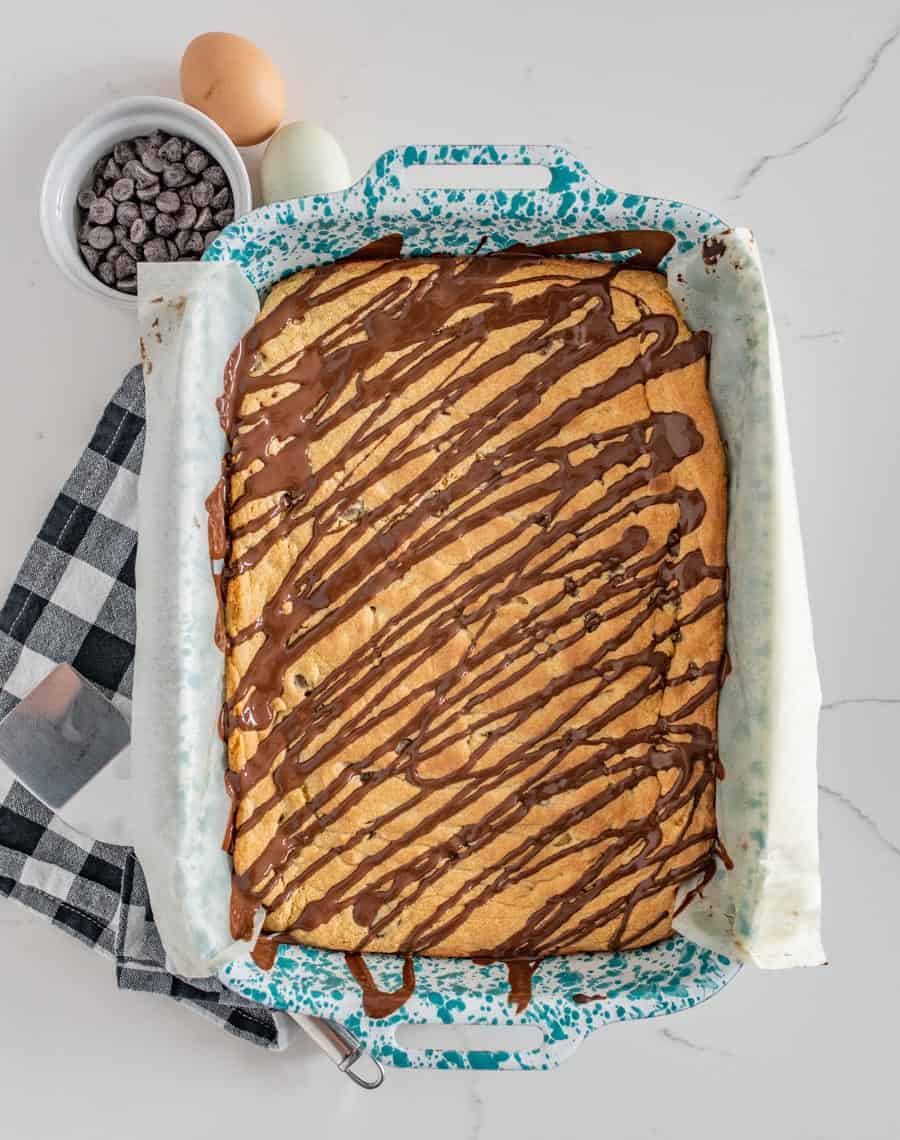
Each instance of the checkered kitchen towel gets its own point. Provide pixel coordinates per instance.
(73, 601)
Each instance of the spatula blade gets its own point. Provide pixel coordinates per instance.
(61, 735)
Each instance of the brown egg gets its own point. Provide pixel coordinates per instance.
(235, 83)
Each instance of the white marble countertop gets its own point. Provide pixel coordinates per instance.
(780, 117)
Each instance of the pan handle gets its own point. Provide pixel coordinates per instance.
(567, 173)
(558, 1044)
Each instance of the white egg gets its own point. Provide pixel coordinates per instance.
(301, 159)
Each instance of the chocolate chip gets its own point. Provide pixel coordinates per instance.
(141, 175)
(123, 189)
(146, 179)
(164, 224)
(126, 212)
(156, 250)
(147, 201)
(151, 160)
(172, 150)
(196, 160)
(186, 217)
(169, 202)
(139, 231)
(100, 237)
(123, 152)
(91, 256)
(202, 193)
(125, 266)
(101, 211)
(175, 175)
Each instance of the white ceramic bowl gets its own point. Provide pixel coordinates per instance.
(71, 166)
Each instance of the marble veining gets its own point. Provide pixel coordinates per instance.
(848, 803)
(476, 1107)
(828, 334)
(841, 702)
(686, 1043)
(833, 120)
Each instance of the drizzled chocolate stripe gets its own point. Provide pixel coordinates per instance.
(612, 582)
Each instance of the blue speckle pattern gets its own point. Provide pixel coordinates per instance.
(272, 243)
(672, 975)
(275, 241)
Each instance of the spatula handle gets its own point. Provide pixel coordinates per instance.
(341, 1047)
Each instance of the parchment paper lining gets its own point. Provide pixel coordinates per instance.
(764, 911)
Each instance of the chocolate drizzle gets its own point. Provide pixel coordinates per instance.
(713, 248)
(520, 973)
(232, 784)
(651, 245)
(489, 465)
(217, 534)
(380, 1003)
(264, 953)
(584, 999)
(244, 906)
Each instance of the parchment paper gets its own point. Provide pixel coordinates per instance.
(765, 910)
(190, 316)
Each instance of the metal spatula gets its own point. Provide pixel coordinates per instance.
(61, 735)
(58, 739)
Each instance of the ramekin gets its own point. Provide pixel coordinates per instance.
(73, 161)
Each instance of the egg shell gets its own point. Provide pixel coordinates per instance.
(301, 159)
(234, 82)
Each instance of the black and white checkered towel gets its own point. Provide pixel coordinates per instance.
(74, 601)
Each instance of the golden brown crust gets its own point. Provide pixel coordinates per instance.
(545, 749)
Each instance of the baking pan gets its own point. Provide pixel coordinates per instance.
(573, 995)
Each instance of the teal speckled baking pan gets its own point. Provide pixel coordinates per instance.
(573, 995)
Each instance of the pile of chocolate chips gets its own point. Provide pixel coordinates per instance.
(152, 198)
